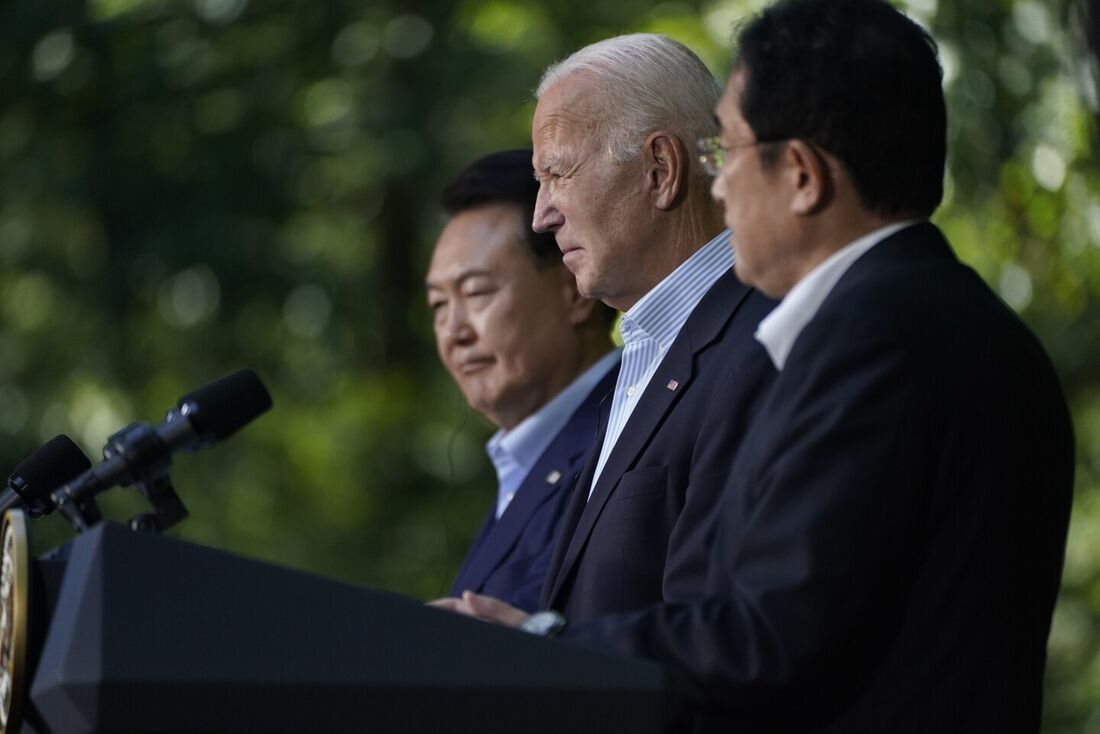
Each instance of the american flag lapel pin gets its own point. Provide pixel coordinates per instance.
(672, 385)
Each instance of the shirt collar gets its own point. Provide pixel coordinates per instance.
(779, 330)
(661, 313)
(526, 442)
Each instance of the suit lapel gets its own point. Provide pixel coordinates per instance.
(555, 466)
(531, 495)
(670, 382)
(469, 574)
(578, 498)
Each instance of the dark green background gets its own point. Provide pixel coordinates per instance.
(191, 186)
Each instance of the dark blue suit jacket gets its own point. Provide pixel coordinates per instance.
(889, 545)
(641, 538)
(509, 556)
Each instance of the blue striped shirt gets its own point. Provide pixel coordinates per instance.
(650, 327)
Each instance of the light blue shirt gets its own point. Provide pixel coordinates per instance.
(515, 452)
(779, 329)
(650, 327)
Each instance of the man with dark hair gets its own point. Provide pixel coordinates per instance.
(889, 545)
(528, 352)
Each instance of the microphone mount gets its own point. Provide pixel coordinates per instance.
(141, 455)
(136, 455)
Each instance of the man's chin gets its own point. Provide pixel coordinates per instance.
(480, 400)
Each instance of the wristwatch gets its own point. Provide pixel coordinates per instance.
(543, 624)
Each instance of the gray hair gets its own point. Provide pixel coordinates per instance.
(646, 82)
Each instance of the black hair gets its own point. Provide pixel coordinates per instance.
(860, 80)
(508, 176)
(503, 177)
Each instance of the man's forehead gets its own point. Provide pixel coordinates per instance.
(728, 110)
(568, 106)
(561, 138)
(478, 241)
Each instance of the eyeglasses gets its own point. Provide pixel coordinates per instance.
(712, 154)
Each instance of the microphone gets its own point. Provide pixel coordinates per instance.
(140, 454)
(52, 464)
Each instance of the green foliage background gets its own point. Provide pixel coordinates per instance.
(191, 186)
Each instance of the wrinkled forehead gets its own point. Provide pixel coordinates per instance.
(568, 115)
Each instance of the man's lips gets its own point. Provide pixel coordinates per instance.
(474, 364)
(569, 253)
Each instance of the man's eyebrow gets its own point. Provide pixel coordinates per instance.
(550, 161)
(461, 277)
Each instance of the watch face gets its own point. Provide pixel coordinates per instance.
(14, 588)
(544, 624)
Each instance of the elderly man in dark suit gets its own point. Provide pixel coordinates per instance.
(528, 352)
(891, 536)
(627, 199)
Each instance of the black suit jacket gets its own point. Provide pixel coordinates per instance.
(509, 556)
(890, 542)
(639, 538)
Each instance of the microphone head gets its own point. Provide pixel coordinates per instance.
(221, 408)
(47, 468)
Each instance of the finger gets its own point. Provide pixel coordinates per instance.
(448, 602)
(493, 610)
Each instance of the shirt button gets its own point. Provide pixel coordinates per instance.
(630, 391)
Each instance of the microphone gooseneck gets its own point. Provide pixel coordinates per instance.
(142, 455)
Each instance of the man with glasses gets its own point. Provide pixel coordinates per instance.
(889, 546)
(624, 193)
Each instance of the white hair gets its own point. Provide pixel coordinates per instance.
(646, 82)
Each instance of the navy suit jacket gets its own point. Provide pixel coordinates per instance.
(890, 541)
(509, 556)
(640, 538)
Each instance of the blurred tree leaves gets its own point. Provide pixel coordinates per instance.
(188, 186)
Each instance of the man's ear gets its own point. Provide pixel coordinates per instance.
(810, 177)
(666, 166)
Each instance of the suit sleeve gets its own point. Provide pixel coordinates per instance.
(814, 533)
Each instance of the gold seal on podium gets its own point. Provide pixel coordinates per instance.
(15, 579)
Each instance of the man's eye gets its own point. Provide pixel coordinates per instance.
(481, 293)
(436, 305)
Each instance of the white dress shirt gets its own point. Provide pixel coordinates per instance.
(779, 330)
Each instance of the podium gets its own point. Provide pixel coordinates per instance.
(134, 632)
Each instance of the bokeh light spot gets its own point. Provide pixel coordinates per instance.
(190, 297)
(52, 55)
(306, 311)
(407, 36)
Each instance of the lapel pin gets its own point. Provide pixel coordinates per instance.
(672, 385)
(553, 477)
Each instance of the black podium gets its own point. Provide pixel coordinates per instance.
(142, 633)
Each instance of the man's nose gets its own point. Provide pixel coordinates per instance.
(547, 218)
(458, 328)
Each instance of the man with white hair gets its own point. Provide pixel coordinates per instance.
(623, 192)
